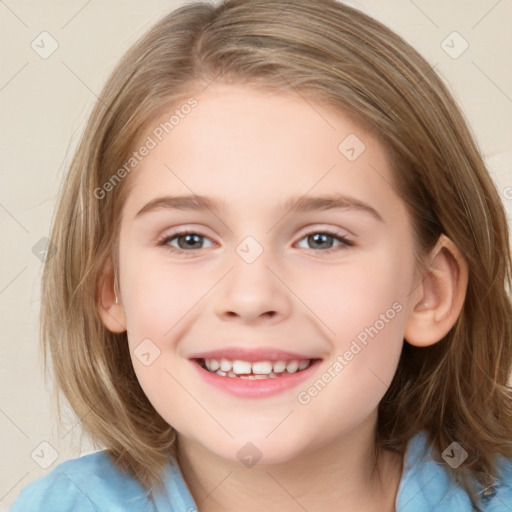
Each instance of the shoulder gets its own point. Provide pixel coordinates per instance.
(502, 493)
(427, 484)
(91, 483)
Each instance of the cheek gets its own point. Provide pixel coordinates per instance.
(353, 295)
(160, 295)
(362, 311)
(368, 323)
(157, 299)
(159, 303)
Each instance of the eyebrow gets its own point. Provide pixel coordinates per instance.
(294, 205)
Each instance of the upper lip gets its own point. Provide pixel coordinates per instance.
(251, 354)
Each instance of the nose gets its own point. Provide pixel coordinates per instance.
(253, 292)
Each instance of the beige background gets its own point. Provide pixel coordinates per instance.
(44, 104)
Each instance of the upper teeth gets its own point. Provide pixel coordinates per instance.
(258, 367)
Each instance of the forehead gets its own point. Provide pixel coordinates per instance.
(250, 147)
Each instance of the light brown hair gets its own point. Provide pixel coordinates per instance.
(455, 390)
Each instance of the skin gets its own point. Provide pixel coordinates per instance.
(254, 150)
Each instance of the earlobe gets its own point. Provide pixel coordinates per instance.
(109, 306)
(438, 300)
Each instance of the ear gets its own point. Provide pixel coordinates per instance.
(111, 314)
(438, 300)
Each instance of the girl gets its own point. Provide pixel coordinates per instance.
(219, 354)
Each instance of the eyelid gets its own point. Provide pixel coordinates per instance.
(321, 228)
(185, 228)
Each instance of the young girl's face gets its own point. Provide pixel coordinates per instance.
(256, 275)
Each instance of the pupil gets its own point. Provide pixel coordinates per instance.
(189, 238)
(317, 236)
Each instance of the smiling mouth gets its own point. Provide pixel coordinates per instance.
(254, 370)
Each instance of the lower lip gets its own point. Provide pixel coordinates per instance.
(256, 388)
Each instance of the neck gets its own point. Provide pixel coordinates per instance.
(345, 474)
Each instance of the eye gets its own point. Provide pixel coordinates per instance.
(323, 238)
(185, 239)
(189, 240)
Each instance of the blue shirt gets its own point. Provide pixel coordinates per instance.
(92, 483)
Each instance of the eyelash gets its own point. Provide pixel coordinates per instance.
(165, 240)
